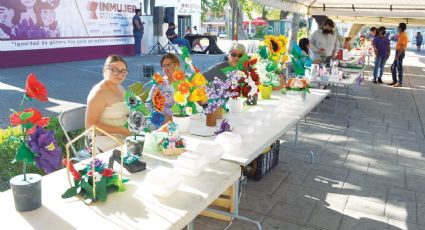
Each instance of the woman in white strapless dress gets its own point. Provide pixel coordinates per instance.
(105, 103)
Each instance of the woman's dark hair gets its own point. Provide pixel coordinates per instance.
(402, 26)
(114, 58)
(170, 56)
(137, 11)
(303, 43)
(382, 30)
(329, 22)
(372, 28)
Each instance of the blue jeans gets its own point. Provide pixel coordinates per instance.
(138, 43)
(397, 66)
(182, 42)
(379, 66)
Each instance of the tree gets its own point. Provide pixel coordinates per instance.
(295, 26)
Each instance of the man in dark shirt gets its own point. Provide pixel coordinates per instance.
(138, 32)
(175, 38)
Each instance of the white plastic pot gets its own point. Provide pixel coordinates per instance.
(236, 105)
(183, 124)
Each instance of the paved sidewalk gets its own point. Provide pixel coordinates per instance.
(368, 176)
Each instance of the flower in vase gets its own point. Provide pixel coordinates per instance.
(189, 111)
(198, 95)
(199, 80)
(180, 98)
(48, 154)
(184, 87)
(275, 45)
(178, 75)
(136, 122)
(35, 89)
(158, 100)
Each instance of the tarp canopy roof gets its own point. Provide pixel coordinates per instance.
(352, 8)
(380, 20)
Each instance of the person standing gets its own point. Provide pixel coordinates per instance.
(324, 43)
(382, 49)
(397, 65)
(419, 40)
(138, 30)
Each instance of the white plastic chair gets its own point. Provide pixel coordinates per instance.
(72, 120)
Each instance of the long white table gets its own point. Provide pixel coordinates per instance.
(293, 110)
(135, 208)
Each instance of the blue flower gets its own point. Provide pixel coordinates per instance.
(157, 119)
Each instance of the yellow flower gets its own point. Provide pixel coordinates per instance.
(180, 98)
(284, 41)
(198, 95)
(274, 43)
(199, 80)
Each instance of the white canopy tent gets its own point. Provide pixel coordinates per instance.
(360, 11)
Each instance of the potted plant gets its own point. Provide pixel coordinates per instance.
(36, 146)
(189, 91)
(218, 95)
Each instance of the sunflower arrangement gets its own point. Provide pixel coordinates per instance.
(272, 59)
(277, 47)
(189, 89)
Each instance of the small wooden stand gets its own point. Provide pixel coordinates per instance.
(223, 203)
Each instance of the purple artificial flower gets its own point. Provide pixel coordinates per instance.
(224, 127)
(98, 165)
(48, 153)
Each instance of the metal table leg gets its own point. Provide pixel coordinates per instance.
(336, 98)
(296, 134)
(235, 213)
(190, 226)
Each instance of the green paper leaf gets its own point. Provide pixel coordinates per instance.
(70, 193)
(26, 115)
(193, 106)
(136, 88)
(115, 181)
(28, 125)
(126, 125)
(263, 52)
(27, 98)
(88, 189)
(243, 59)
(24, 154)
(228, 69)
(142, 108)
(101, 189)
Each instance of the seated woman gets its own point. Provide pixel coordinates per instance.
(106, 108)
(236, 51)
(304, 44)
(347, 44)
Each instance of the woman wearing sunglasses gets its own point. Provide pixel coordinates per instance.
(236, 51)
(105, 103)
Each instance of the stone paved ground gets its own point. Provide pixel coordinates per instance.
(368, 176)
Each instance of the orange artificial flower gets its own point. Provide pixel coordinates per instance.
(198, 95)
(184, 87)
(35, 89)
(158, 100)
(178, 75)
(158, 78)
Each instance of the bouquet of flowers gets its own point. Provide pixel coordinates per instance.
(188, 89)
(37, 145)
(173, 144)
(105, 179)
(243, 79)
(218, 94)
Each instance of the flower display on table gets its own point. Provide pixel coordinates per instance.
(218, 94)
(299, 61)
(37, 146)
(173, 144)
(189, 88)
(106, 179)
(297, 84)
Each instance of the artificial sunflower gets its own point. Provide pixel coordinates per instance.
(199, 80)
(274, 43)
(158, 100)
(284, 40)
(178, 75)
(199, 94)
(158, 78)
(184, 87)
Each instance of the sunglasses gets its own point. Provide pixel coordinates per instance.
(236, 55)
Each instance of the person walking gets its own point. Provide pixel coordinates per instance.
(419, 40)
(138, 30)
(382, 49)
(324, 43)
(397, 66)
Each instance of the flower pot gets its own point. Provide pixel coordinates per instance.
(152, 140)
(266, 92)
(219, 113)
(183, 124)
(27, 194)
(282, 83)
(236, 105)
(252, 100)
(211, 120)
(135, 144)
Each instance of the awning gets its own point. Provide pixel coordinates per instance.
(380, 20)
(354, 8)
(256, 22)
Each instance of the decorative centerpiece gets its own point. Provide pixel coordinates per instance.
(173, 144)
(218, 95)
(274, 51)
(297, 86)
(94, 180)
(189, 90)
(36, 146)
(300, 62)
